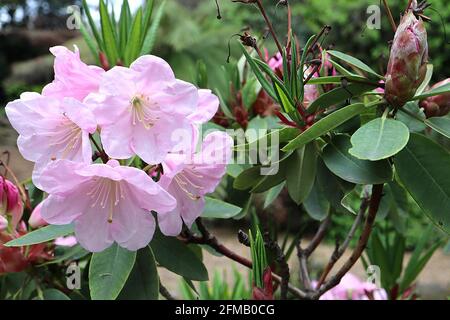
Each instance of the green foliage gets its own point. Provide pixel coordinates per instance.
(370, 45)
(259, 258)
(109, 271)
(425, 163)
(44, 234)
(125, 40)
(379, 139)
(186, 264)
(218, 288)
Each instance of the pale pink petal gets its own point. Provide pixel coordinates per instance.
(179, 97)
(73, 78)
(36, 220)
(92, 229)
(3, 223)
(208, 104)
(61, 210)
(80, 114)
(153, 69)
(60, 177)
(117, 138)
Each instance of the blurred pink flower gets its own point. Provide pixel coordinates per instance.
(107, 203)
(68, 241)
(190, 177)
(73, 78)
(51, 129)
(140, 109)
(276, 62)
(352, 288)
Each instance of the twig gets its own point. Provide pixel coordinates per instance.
(164, 292)
(269, 25)
(389, 13)
(303, 266)
(337, 254)
(377, 193)
(280, 258)
(318, 237)
(102, 153)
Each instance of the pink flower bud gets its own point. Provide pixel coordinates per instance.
(36, 220)
(10, 202)
(437, 106)
(408, 60)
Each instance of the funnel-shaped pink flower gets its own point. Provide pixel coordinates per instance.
(73, 78)
(144, 110)
(107, 203)
(190, 177)
(51, 128)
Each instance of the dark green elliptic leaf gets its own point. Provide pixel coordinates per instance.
(344, 165)
(379, 139)
(316, 204)
(354, 62)
(413, 123)
(40, 235)
(301, 172)
(109, 271)
(325, 125)
(333, 188)
(143, 282)
(248, 178)
(424, 169)
(53, 294)
(177, 257)
(439, 124)
(340, 94)
(434, 92)
(272, 194)
(215, 208)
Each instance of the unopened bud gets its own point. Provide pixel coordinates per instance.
(408, 60)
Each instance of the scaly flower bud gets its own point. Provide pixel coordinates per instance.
(437, 106)
(408, 60)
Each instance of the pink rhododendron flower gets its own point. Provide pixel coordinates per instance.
(10, 202)
(352, 288)
(51, 128)
(107, 203)
(73, 78)
(141, 108)
(190, 177)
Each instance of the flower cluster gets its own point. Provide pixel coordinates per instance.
(141, 112)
